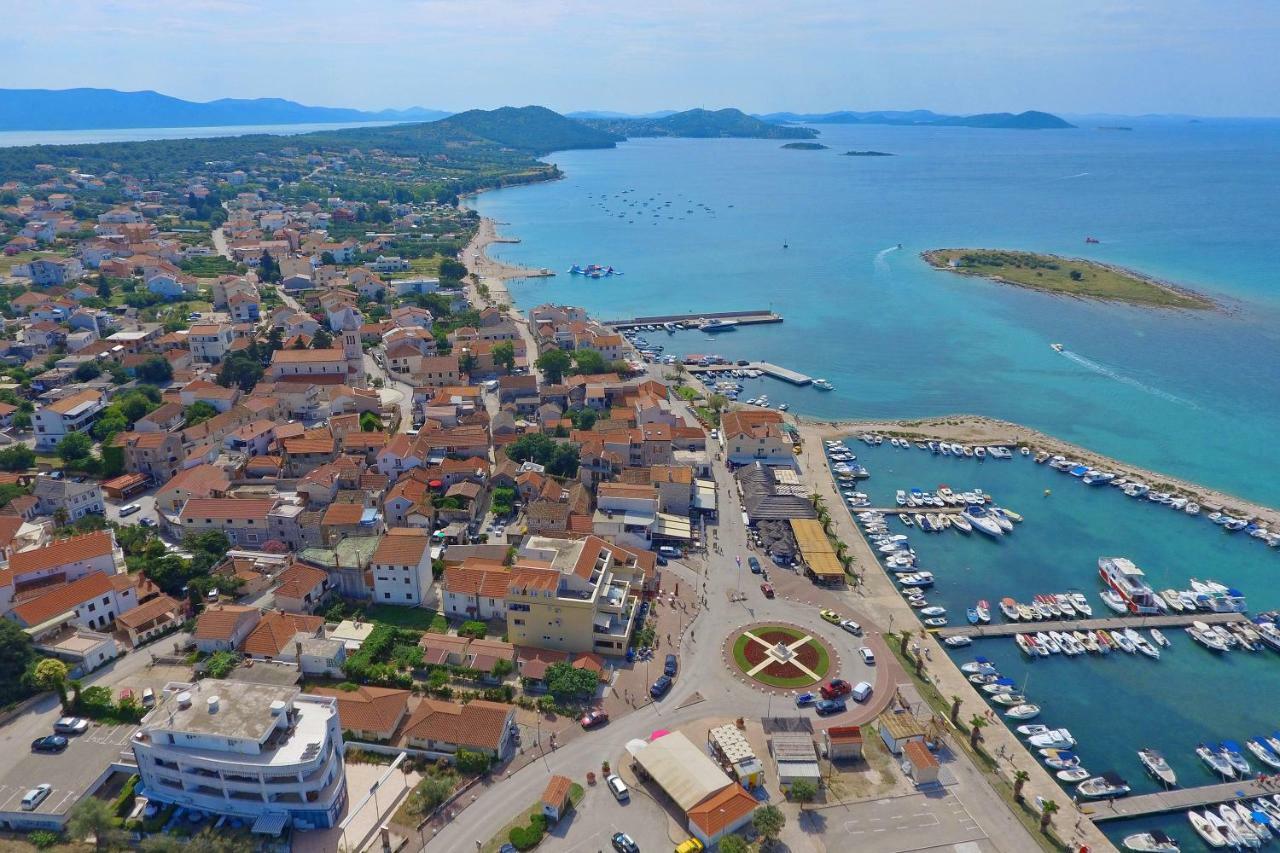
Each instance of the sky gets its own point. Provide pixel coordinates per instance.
(1202, 57)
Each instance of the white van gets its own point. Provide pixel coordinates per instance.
(669, 552)
(861, 692)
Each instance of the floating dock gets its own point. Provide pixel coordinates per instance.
(1175, 800)
(768, 369)
(744, 318)
(1172, 620)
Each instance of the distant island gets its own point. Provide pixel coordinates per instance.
(700, 124)
(867, 154)
(805, 146)
(98, 109)
(1029, 120)
(1065, 276)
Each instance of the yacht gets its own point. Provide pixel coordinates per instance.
(1157, 766)
(1263, 752)
(1231, 751)
(1208, 639)
(823, 385)
(1106, 786)
(1216, 761)
(1129, 582)
(716, 324)
(1052, 739)
(982, 521)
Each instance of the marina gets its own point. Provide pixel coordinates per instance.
(1009, 629)
(767, 368)
(741, 318)
(1179, 799)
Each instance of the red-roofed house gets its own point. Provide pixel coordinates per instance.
(301, 588)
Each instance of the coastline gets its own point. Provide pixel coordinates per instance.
(980, 429)
(1187, 299)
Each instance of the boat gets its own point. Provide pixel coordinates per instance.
(1088, 640)
(716, 324)
(1075, 774)
(1106, 786)
(958, 641)
(1113, 601)
(1154, 841)
(1160, 639)
(936, 622)
(1000, 685)
(961, 523)
(984, 611)
(1221, 825)
(1009, 608)
(1140, 642)
(1032, 729)
(1216, 761)
(1060, 759)
(1023, 712)
(972, 615)
(1207, 831)
(1192, 508)
(1242, 830)
(916, 579)
(1258, 821)
(1208, 639)
(1057, 347)
(1046, 641)
(1124, 643)
(901, 498)
(823, 385)
(1157, 766)
(1128, 581)
(1233, 753)
(1053, 739)
(1104, 641)
(977, 665)
(1081, 604)
(1263, 752)
(1009, 699)
(982, 521)
(1027, 644)
(1173, 599)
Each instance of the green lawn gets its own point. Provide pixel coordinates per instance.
(821, 668)
(413, 618)
(419, 267)
(1066, 276)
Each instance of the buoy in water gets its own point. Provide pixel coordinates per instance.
(1048, 492)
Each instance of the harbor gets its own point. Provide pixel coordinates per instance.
(1179, 800)
(739, 318)
(1009, 629)
(767, 368)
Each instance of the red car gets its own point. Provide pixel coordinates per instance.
(836, 688)
(767, 589)
(591, 719)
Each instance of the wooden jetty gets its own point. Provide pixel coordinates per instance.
(744, 318)
(1175, 800)
(1008, 629)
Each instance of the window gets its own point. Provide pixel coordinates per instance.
(386, 595)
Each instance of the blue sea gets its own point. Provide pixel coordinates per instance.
(700, 225)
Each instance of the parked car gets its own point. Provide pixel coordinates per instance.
(129, 509)
(851, 626)
(49, 743)
(861, 692)
(805, 699)
(830, 706)
(691, 845)
(835, 688)
(669, 552)
(660, 687)
(617, 787)
(767, 589)
(755, 565)
(670, 667)
(591, 719)
(147, 522)
(661, 560)
(71, 726)
(35, 797)
(623, 843)
(148, 697)
(868, 656)
(830, 616)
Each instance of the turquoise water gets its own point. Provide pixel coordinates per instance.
(1188, 393)
(1119, 703)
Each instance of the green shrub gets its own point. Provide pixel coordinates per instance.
(474, 629)
(124, 803)
(220, 664)
(527, 837)
(43, 839)
(471, 763)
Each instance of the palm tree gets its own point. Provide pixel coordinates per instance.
(976, 724)
(1047, 812)
(955, 710)
(1020, 778)
(919, 663)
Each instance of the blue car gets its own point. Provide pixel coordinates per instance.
(831, 706)
(660, 687)
(755, 565)
(805, 699)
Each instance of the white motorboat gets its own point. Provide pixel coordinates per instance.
(1157, 766)
(1258, 825)
(961, 523)
(1160, 639)
(1154, 841)
(901, 498)
(1113, 601)
(1216, 761)
(1081, 604)
(1227, 832)
(1009, 699)
(1141, 643)
(1032, 729)
(1125, 644)
(1207, 639)
(958, 641)
(1192, 508)
(934, 611)
(1053, 739)
(1243, 831)
(1206, 830)
(1106, 786)
(1023, 712)
(1263, 752)
(980, 518)
(1075, 774)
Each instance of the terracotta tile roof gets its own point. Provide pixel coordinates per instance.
(437, 648)
(478, 724)
(151, 611)
(723, 808)
(557, 791)
(62, 598)
(302, 356)
(276, 630)
(524, 580)
(9, 527)
(308, 444)
(402, 546)
(845, 734)
(229, 509)
(477, 581)
(369, 709)
(918, 754)
(343, 514)
(219, 621)
(534, 661)
(63, 552)
(299, 579)
(203, 480)
(66, 404)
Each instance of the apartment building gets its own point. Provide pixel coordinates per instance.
(267, 754)
(243, 521)
(210, 342)
(74, 413)
(401, 567)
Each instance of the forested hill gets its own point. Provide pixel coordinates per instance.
(701, 124)
(534, 129)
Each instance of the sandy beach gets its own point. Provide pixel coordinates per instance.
(976, 429)
(478, 261)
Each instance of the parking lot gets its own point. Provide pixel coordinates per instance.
(919, 821)
(591, 825)
(70, 772)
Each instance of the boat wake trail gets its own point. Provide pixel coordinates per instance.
(1070, 177)
(1108, 372)
(882, 260)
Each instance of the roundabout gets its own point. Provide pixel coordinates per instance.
(779, 655)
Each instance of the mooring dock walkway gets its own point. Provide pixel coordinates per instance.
(767, 368)
(1008, 629)
(1177, 799)
(743, 318)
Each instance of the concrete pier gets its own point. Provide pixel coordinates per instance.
(1177, 799)
(744, 318)
(1008, 629)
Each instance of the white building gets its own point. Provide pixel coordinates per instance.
(265, 753)
(401, 566)
(210, 342)
(75, 413)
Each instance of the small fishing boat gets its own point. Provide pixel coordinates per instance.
(1027, 613)
(984, 611)
(1075, 774)
(1106, 786)
(1154, 841)
(1215, 761)
(1160, 639)
(958, 641)
(1027, 644)
(1009, 608)
(936, 622)
(1023, 712)
(1141, 644)
(1125, 644)
(971, 614)
(959, 522)
(1157, 766)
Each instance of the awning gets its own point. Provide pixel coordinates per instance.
(672, 527)
(271, 823)
(704, 496)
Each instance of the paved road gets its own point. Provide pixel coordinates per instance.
(920, 821)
